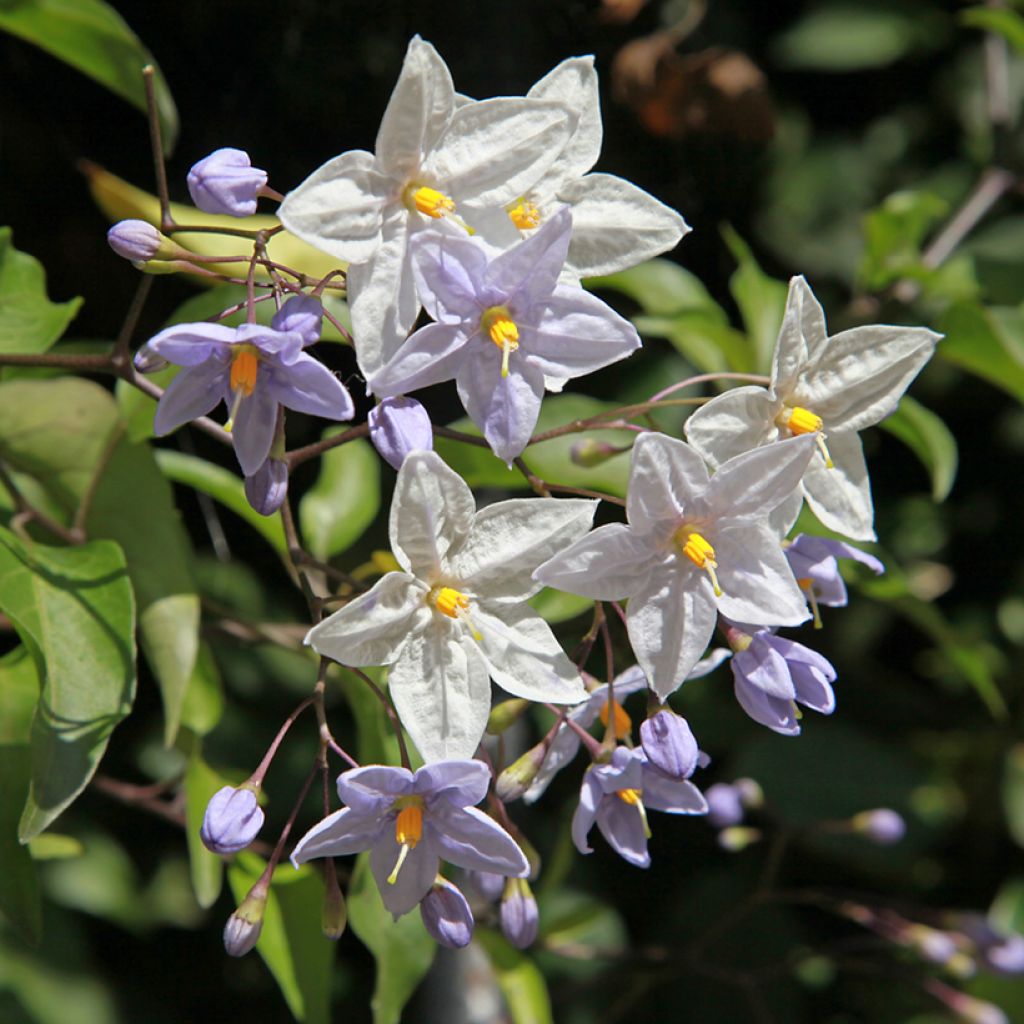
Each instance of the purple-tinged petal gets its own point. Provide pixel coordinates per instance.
(302, 315)
(339, 834)
(267, 488)
(308, 386)
(585, 815)
(253, 432)
(795, 653)
(191, 344)
(470, 839)
(432, 354)
(528, 271)
(504, 408)
(194, 392)
(778, 715)
(814, 558)
(725, 807)
(232, 820)
(669, 744)
(764, 668)
(459, 783)
(374, 788)
(449, 276)
(812, 689)
(674, 796)
(518, 914)
(623, 827)
(399, 426)
(446, 915)
(226, 182)
(667, 481)
(135, 240)
(414, 879)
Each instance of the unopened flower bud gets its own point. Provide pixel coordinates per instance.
(881, 825)
(518, 913)
(738, 837)
(147, 361)
(487, 883)
(267, 488)
(244, 925)
(669, 744)
(399, 426)
(590, 452)
(232, 820)
(139, 241)
(226, 182)
(334, 915)
(504, 714)
(446, 915)
(516, 779)
(725, 807)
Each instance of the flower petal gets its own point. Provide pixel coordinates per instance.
(585, 815)
(192, 344)
(302, 315)
(737, 421)
(449, 272)
(573, 83)
(460, 783)
(434, 353)
(341, 833)
(253, 432)
(674, 796)
(841, 497)
(195, 391)
(778, 715)
(527, 272)
(470, 839)
(801, 335)
(414, 879)
(308, 386)
(373, 788)
(371, 628)
(623, 827)
(667, 480)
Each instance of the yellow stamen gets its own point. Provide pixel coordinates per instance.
(430, 202)
(524, 214)
(803, 421)
(633, 798)
(502, 330)
(623, 723)
(450, 602)
(702, 554)
(806, 584)
(408, 832)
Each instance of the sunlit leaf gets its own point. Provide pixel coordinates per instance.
(661, 287)
(761, 300)
(519, 979)
(1001, 20)
(206, 868)
(986, 341)
(894, 232)
(203, 704)
(929, 439)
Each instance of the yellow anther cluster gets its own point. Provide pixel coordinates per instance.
(700, 552)
(499, 326)
(409, 826)
(244, 367)
(450, 602)
(623, 723)
(432, 203)
(803, 421)
(525, 215)
(629, 796)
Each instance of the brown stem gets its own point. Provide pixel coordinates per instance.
(157, 145)
(392, 714)
(120, 355)
(311, 451)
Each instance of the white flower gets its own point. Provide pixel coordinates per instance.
(832, 387)
(457, 613)
(693, 546)
(615, 224)
(433, 159)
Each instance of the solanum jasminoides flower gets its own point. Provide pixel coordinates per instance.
(226, 182)
(694, 545)
(617, 795)
(409, 822)
(232, 820)
(432, 159)
(456, 616)
(446, 914)
(505, 328)
(814, 561)
(830, 388)
(253, 369)
(399, 426)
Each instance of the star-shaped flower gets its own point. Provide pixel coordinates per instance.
(504, 327)
(814, 561)
(616, 797)
(253, 369)
(829, 387)
(410, 821)
(693, 546)
(433, 159)
(456, 614)
(615, 224)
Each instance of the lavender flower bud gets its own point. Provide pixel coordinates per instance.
(139, 241)
(518, 913)
(267, 488)
(487, 883)
(669, 744)
(881, 825)
(243, 927)
(232, 821)
(725, 807)
(147, 361)
(226, 182)
(517, 778)
(399, 426)
(446, 915)
(934, 945)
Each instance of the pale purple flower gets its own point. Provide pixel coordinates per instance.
(616, 797)
(267, 488)
(518, 913)
(226, 182)
(505, 328)
(232, 820)
(399, 426)
(409, 822)
(446, 915)
(773, 675)
(814, 561)
(253, 369)
(135, 240)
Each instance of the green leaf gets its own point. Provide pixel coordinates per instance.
(986, 341)
(203, 705)
(223, 486)
(376, 739)
(29, 321)
(291, 943)
(206, 868)
(844, 36)
(761, 300)
(661, 287)
(402, 948)
(894, 232)
(480, 467)
(74, 610)
(519, 979)
(92, 37)
(929, 439)
(19, 887)
(557, 606)
(1009, 24)
(701, 338)
(344, 501)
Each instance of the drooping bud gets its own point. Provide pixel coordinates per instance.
(725, 806)
(147, 361)
(139, 241)
(517, 778)
(518, 913)
(399, 426)
(232, 820)
(334, 915)
(881, 825)
(487, 883)
(446, 915)
(504, 714)
(226, 182)
(267, 488)
(669, 744)
(590, 452)
(243, 927)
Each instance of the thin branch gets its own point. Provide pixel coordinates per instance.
(25, 511)
(311, 451)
